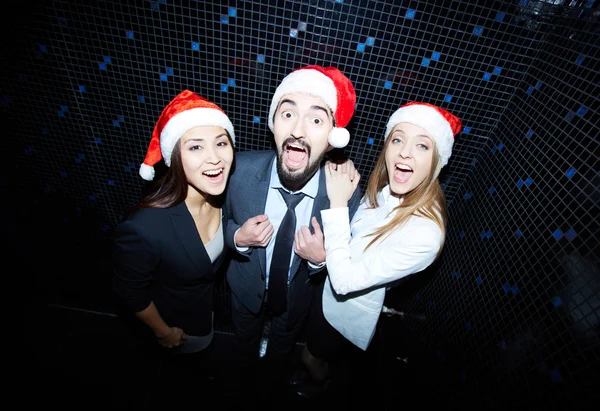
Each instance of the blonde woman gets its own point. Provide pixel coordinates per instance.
(398, 230)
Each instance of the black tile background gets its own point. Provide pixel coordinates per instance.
(512, 308)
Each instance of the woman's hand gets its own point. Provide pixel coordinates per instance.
(174, 338)
(342, 180)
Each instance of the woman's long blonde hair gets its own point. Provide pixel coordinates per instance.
(426, 200)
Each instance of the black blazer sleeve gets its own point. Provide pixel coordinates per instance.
(135, 260)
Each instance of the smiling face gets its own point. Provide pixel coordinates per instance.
(207, 156)
(301, 126)
(408, 157)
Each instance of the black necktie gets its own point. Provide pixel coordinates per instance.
(280, 261)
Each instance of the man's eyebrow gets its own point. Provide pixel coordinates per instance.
(321, 108)
(286, 100)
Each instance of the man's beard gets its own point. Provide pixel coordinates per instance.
(297, 180)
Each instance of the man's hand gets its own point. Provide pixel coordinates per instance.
(255, 232)
(310, 246)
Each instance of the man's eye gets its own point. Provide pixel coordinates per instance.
(317, 121)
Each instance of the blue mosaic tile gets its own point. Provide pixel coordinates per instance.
(163, 77)
(570, 172)
(141, 99)
(107, 60)
(570, 234)
(410, 14)
(388, 84)
(370, 140)
(370, 41)
(102, 66)
(582, 110)
(231, 82)
(515, 289)
(492, 190)
(294, 33)
(478, 30)
(557, 301)
(518, 233)
(557, 234)
(435, 56)
(529, 133)
(487, 76)
(360, 47)
(260, 58)
(302, 26)
(129, 34)
(425, 62)
(500, 16)
(232, 12)
(225, 19)
(497, 70)
(447, 98)
(466, 130)
(579, 60)
(506, 288)
(478, 280)
(195, 45)
(82, 88)
(538, 84)
(224, 88)
(43, 48)
(256, 120)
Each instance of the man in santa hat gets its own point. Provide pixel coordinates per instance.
(269, 282)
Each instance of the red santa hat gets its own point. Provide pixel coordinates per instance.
(331, 86)
(439, 123)
(186, 111)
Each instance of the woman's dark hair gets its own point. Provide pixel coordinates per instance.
(172, 188)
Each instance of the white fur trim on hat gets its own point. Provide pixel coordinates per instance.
(307, 81)
(429, 119)
(186, 120)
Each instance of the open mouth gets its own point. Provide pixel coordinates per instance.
(215, 175)
(402, 173)
(294, 155)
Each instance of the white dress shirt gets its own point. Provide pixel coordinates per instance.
(355, 287)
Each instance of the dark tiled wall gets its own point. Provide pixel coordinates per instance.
(512, 307)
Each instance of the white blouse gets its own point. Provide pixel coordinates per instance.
(355, 287)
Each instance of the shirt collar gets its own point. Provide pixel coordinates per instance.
(310, 189)
(386, 197)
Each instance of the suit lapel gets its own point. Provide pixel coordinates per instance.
(188, 234)
(258, 200)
